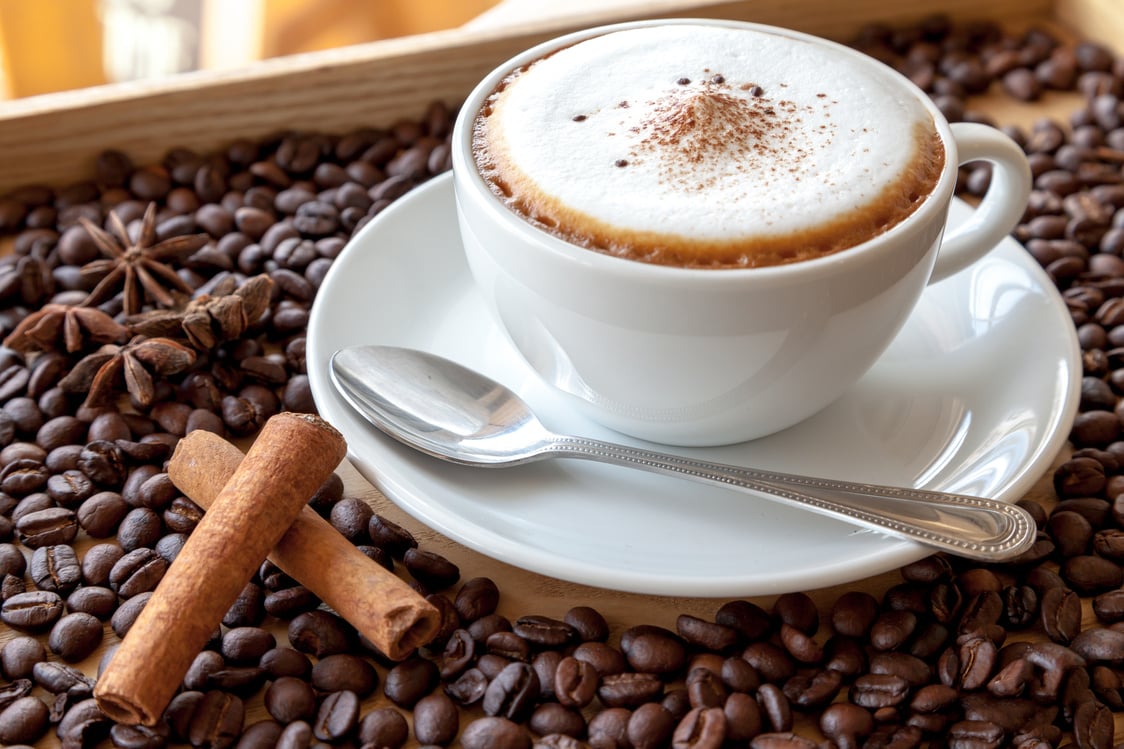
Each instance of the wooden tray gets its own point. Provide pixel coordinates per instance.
(52, 139)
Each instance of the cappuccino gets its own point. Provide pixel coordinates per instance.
(707, 146)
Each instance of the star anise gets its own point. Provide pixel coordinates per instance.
(134, 365)
(66, 327)
(210, 319)
(138, 268)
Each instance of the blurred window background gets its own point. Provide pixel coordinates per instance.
(56, 45)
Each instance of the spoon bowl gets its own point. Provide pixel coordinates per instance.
(449, 411)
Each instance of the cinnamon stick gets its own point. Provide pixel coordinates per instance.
(290, 459)
(380, 605)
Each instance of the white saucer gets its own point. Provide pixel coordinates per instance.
(976, 395)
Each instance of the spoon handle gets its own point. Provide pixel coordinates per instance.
(971, 527)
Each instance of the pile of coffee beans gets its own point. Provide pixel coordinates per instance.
(1027, 654)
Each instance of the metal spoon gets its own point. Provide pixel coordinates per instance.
(451, 412)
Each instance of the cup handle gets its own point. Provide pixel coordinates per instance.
(1001, 208)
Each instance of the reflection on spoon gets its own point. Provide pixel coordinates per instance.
(454, 413)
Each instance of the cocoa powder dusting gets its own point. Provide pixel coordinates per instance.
(709, 125)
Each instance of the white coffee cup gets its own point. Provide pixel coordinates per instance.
(693, 356)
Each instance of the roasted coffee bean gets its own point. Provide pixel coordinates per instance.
(1093, 725)
(1100, 645)
(383, 727)
(743, 717)
(337, 717)
(99, 561)
(653, 650)
(508, 645)
(543, 631)
(436, 719)
(477, 597)
(701, 728)
(809, 690)
(203, 666)
(512, 694)
(458, 655)
(19, 655)
(351, 517)
(32, 611)
(344, 672)
(24, 476)
(771, 662)
(296, 735)
(282, 661)
(181, 516)
(55, 568)
(846, 724)
(493, 732)
(976, 655)
(1061, 614)
(976, 733)
(469, 687)
(801, 646)
(141, 527)
(50, 527)
(59, 431)
(94, 600)
(75, 636)
(23, 721)
(853, 614)
(319, 633)
(875, 691)
(706, 635)
(1090, 575)
(246, 645)
(57, 678)
(217, 720)
(1109, 543)
(138, 571)
(797, 610)
(545, 664)
(430, 569)
(914, 670)
(1109, 607)
(83, 725)
(10, 585)
(982, 610)
(605, 659)
(1072, 533)
(1079, 477)
(12, 560)
(575, 682)
(775, 707)
(289, 699)
(1020, 605)
(14, 691)
(104, 463)
(290, 602)
(126, 614)
(29, 504)
(629, 689)
(142, 737)
(100, 514)
(248, 609)
(390, 536)
(892, 629)
(739, 676)
(409, 681)
(746, 618)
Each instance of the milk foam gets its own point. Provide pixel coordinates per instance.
(699, 134)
